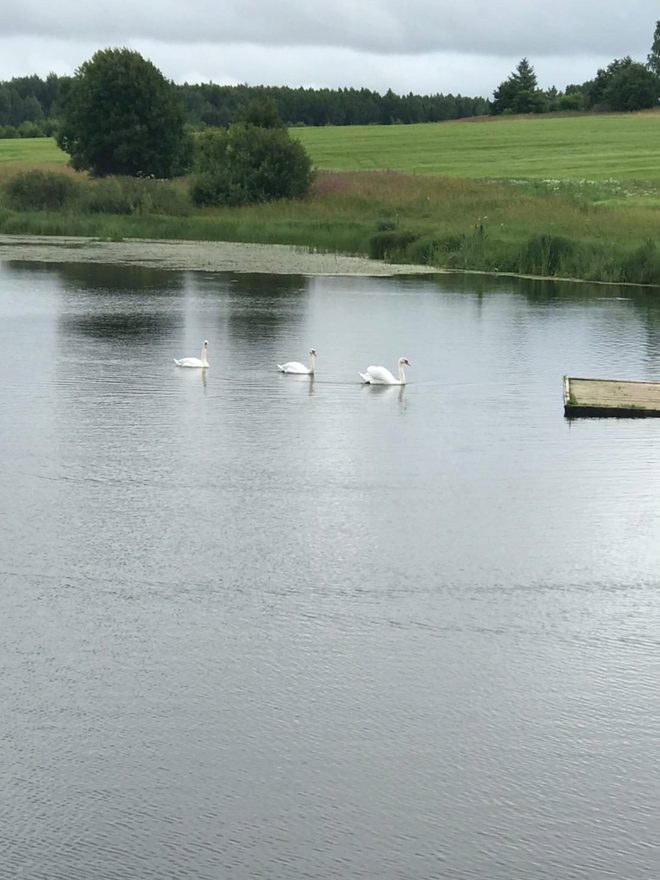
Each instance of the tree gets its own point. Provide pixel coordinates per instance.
(595, 89)
(246, 164)
(653, 58)
(260, 112)
(519, 93)
(630, 88)
(119, 115)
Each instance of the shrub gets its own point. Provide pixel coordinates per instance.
(127, 195)
(50, 191)
(451, 243)
(642, 266)
(29, 130)
(247, 164)
(423, 250)
(390, 244)
(40, 191)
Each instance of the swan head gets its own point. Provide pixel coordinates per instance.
(403, 361)
(312, 352)
(206, 343)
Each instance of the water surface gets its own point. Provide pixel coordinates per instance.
(253, 625)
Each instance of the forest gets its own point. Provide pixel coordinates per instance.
(29, 105)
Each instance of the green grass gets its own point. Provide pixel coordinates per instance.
(625, 146)
(26, 152)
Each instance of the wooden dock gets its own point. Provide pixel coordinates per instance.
(610, 397)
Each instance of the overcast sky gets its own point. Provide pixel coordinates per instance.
(423, 46)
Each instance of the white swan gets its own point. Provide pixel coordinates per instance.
(382, 376)
(195, 362)
(297, 367)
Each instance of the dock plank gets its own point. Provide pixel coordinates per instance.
(603, 397)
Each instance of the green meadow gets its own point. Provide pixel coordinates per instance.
(624, 147)
(563, 196)
(19, 153)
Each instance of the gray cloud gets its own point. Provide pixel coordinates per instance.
(423, 46)
(473, 27)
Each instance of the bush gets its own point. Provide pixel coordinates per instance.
(127, 195)
(247, 164)
(40, 191)
(642, 266)
(423, 250)
(30, 130)
(50, 191)
(390, 244)
(451, 243)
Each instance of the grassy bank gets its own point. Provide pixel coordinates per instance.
(582, 202)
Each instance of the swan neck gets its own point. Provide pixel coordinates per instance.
(402, 375)
(312, 363)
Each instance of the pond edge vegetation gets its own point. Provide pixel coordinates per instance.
(448, 224)
(254, 182)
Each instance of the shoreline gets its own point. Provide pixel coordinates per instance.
(235, 257)
(197, 256)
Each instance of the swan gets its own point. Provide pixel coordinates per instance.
(382, 376)
(195, 362)
(297, 367)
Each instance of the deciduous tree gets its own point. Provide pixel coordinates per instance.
(630, 88)
(653, 58)
(121, 116)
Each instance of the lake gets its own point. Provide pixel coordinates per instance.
(253, 625)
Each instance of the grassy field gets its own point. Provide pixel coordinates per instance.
(623, 147)
(19, 154)
(557, 196)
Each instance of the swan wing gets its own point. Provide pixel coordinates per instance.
(189, 362)
(379, 376)
(293, 367)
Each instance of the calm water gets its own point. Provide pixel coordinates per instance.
(254, 626)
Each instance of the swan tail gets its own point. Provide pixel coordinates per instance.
(281, 368)
(364, 377)
(178, 363)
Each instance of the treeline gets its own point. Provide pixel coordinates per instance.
(29, 106)
(218, 106)
(624, 86)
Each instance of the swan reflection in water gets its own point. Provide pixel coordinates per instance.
(386, 392)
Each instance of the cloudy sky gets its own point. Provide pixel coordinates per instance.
(423, 46)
